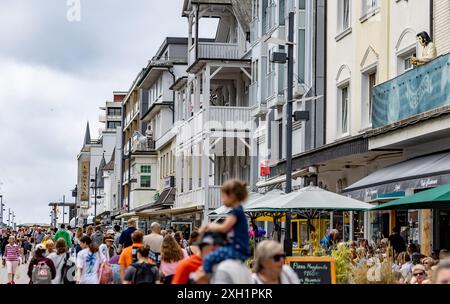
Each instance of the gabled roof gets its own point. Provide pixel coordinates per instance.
(87, 135)
(110, 166)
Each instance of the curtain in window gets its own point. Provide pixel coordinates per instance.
(346, 15)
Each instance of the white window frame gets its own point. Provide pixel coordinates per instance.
(340, 87)
(369, 8)
(366, 118)
(340, 27)
(404, 54)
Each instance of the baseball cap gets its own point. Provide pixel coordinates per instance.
(212, 238)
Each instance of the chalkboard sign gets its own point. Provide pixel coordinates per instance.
(313, 270)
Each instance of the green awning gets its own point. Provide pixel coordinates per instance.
(430, 199)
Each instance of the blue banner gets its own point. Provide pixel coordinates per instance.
(417, 91)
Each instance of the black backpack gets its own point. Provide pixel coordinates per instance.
(68, 271)
(145, 273)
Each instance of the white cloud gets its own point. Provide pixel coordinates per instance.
(54, 76)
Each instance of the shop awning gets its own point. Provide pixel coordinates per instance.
(173, 211)
(417, 173)
(430, 199)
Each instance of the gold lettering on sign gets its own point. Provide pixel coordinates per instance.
(84, 188)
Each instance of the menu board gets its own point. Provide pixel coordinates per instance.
(313, 270)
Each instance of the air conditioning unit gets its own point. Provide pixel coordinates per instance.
(169, 182)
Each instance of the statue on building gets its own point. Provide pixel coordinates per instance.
(428, 52)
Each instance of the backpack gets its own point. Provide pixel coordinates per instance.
(41, 274)
(68, 271)
(145, 273)
(106, 273)
(134, 251)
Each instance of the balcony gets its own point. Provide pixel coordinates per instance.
(412, 94)
(214, 50)
(230, 117)
(102, 118)
(197, 197)
(220, 119)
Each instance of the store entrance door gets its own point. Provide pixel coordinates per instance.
(444, 229)
(185, 227)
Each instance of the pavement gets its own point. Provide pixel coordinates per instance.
(21, 276)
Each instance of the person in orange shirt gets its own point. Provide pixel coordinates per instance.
(208, 243)
(129, 254)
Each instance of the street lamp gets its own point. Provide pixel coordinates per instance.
(282, 58)
(1, 210)
(94, 180)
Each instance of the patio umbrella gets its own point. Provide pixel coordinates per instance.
(430, 199)
(310, 198)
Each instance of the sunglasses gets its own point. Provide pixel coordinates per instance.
(278, 257)
(418, 274)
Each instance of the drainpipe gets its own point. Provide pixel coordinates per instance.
(173, 94)
(432, 20)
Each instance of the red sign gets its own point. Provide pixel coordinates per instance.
(264, 168)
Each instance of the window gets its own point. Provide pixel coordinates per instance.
(114, 111)
(113, 124)
(372, 83)
(343, 15)
(255, 75)
(368, 82)
(280, 139)
(404, 62)
(343, 126)
(255, 9)
(369, 7)
(145, 181)
(146, 169)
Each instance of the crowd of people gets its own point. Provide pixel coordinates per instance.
(216, 253)
(409, 266)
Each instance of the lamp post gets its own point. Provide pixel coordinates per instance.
(94, 180)
(279, 57)
(129, 175)
(64, 201)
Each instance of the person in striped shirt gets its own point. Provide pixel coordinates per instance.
(12, 254)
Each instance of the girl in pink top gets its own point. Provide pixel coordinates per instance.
(12, 255)
(171, 255)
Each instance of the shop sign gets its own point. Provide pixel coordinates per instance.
(84, 187)
(313, 270)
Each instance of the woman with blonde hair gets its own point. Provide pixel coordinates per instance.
(269, 266)
(50, 247)
(171, 255)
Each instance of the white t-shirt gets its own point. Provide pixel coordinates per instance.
(231, 272)
(288, 276)
(104, 251)
(154, 241)
(90, 264)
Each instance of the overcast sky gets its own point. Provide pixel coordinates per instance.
(54, 75)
